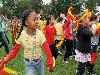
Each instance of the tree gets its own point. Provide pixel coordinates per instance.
(16, 7)
(37, 5)
(9, 7)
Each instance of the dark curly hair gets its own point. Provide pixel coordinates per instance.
(24, 17)
(48, 20)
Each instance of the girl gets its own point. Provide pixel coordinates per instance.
(94, 43)
(32, 40)
(59, 31)
(50, 32)
(14, 27)
(67, 29)
(83, 47)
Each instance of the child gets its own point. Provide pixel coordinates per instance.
(50, 32)
(84, 47)
(68, 42)
(32, 39)
(14, 29)
(94, 43)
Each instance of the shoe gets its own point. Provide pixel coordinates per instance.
(91, 73)
(60, 52)
(71, 57)
(99, 47)
(66, 62)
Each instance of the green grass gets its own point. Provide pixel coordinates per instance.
(61, 67)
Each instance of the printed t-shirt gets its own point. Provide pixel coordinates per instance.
(32, 44)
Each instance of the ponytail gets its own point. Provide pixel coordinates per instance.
(19, 33)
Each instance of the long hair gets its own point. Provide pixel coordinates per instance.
(48, 20)
(24, 18)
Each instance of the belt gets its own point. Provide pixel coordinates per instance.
(32, 60)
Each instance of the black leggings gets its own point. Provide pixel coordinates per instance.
(4, 43)
(54, 50)
(81, 68)
(69, 47)
(7, 41)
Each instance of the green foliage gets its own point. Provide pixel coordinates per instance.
(16, 7)
(37, 5)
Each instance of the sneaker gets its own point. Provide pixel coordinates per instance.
(71, 57)
(60, 52)
(99, 47)
(76, 71)
(93, 74)
(66, 62)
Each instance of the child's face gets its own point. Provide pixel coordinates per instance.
(15, 19)
(32, 21)
(52, 21)
(86, 20)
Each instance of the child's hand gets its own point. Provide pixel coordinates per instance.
(50, 69)
(91, 62)
(2, 62)
(93, 57)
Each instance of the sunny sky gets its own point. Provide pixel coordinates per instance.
(46, 1)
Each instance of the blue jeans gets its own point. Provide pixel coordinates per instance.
(38, 65)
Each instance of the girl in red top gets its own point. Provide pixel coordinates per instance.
(50, 32)
(68, 39)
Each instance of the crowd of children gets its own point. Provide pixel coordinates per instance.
(47, 33)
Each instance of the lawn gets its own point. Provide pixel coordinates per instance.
(61, 67)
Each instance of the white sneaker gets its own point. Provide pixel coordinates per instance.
(60, 52)
(93, 74)
(98, 46)
(71, 57)
(66, 62)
